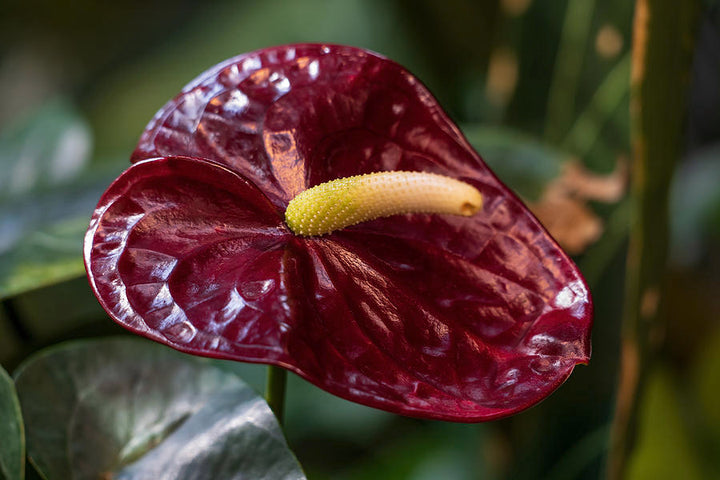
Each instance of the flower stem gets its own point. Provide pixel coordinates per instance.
(586, 129)
(568, 66)
(275, 391)
(661, 61)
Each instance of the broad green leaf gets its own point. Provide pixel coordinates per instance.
(46, 198)
(42, 257)
(526, 165)
(132, 409)
(46, 149)
(12, 436)
(41, 234)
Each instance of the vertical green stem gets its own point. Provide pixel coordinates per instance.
(275, 391)
(585, 131)
(568, 65)
(661, 61)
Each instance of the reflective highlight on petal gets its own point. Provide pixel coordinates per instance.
(435, 316)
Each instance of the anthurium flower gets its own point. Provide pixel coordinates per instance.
(429, 315)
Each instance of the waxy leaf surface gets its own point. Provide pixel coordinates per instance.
(130, 409)
(454, 318)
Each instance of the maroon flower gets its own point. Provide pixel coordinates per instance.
(434, 316)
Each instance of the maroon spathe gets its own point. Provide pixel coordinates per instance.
(433, 316)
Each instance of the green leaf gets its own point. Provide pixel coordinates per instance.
(523, 163)
(42, 256)
(47, 149)
(12, 446)
(132, 409)
(41, 235)
(46, 198)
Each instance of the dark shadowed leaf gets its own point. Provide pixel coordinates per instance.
(12, 437)
(135, 410)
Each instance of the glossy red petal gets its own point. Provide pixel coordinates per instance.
(291, 117)
(463, 319)
(486, 337)
(188, 253)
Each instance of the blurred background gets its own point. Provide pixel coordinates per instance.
(541, 88)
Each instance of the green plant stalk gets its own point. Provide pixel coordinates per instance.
(661, 62)
(568, 65)
(275, 391)
(607, 98)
